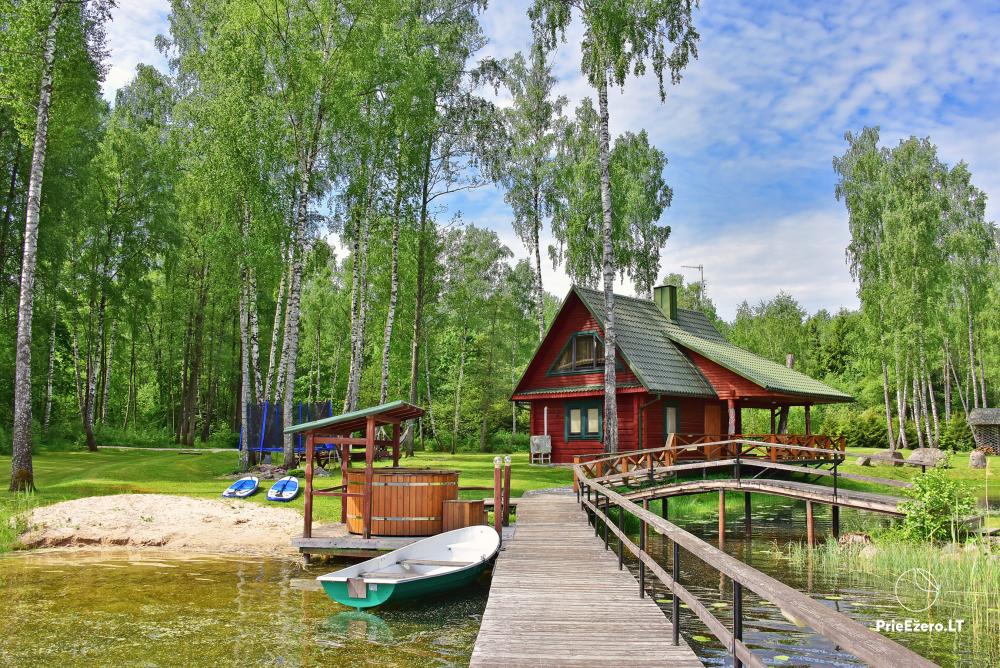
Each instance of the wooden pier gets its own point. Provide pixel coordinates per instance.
(558, 599)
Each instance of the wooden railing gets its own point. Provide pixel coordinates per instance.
(597, 498)
(812, 447)
(711, 447)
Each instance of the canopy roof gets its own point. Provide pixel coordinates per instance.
(390, 413)
(652, 345)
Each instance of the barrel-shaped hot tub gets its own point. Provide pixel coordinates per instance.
(405, 502)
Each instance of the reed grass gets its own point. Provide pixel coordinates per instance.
(14, 509)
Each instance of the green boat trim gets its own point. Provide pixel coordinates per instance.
(430, 566)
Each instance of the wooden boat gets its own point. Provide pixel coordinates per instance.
(429, 566)
(242, 488)
(283, 490)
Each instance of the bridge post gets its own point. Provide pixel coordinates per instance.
(642, 550)
(810, 528)
(621, 541)
(746, 514)
(737, 620)
(607, 510)
(675, 612)
(722, 518)
(663, 507)
(835, 517)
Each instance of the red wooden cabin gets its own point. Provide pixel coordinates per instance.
(676, 374)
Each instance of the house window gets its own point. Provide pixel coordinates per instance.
(583, 420)
(583, 352)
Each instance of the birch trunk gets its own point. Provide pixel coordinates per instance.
(946, 377)
(901, 407)
(22, 476)
(418, 298)
(888, 406)
(458, 387)
(254, 326)
(427, 384)
(917, 407)
(106, 388)
(982, 382)
(359, 318)
(292, 315)
(244, 382)
(958, 388)
(48, 383)
(974, 391)
(934, 412)
(76, 372)
(513, 383)
(539, 291)
(275, 337)
(393, 292)
(610, 398)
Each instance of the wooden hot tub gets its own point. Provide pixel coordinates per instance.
(405, 502)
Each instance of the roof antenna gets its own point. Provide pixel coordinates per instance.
(701, 284)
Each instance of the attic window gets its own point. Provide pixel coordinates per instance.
(583, 352)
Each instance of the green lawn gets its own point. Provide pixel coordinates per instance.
(978, 480)
(60, 476)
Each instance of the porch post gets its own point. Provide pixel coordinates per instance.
(772, 419)
(308, 500)
(732, 416)
(369, 474)
(395, 444)
(808, 421)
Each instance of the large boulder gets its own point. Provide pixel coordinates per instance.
(929, 457)
(863, 461)
(977, 459)
(890, 458)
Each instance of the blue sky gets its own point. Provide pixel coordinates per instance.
(751, 130)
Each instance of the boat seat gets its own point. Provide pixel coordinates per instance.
(434, 562)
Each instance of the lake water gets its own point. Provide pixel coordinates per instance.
(165, 609)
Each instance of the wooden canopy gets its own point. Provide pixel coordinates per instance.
(338, 431)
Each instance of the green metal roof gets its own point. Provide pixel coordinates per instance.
(655, 360)
(355, 420)
(647, 339)
(575, 389)
(759, 370)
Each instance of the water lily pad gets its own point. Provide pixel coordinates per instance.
(664, 600)
(685, 606)
(781, 657)
(833, 597)
(720, 605)
(701, 638)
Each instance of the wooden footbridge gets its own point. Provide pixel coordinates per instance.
(561, 597)
(558, 598)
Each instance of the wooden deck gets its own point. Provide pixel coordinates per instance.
(558, 599)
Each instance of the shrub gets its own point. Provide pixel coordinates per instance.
(935, 507)
(504, 442)
(956, 434)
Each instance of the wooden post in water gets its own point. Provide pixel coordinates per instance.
(498, 496)
(664, 507)
(835, 520)
(746, 514)
(369, 474)
(810, 529)
(722, 518)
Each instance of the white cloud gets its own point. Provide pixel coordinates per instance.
(131, 34)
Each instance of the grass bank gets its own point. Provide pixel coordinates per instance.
(61, 476)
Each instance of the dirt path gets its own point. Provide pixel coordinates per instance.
(166, 522)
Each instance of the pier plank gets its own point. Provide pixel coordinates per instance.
(558, 599)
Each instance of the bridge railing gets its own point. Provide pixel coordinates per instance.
(596, 498)
(737, 450)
